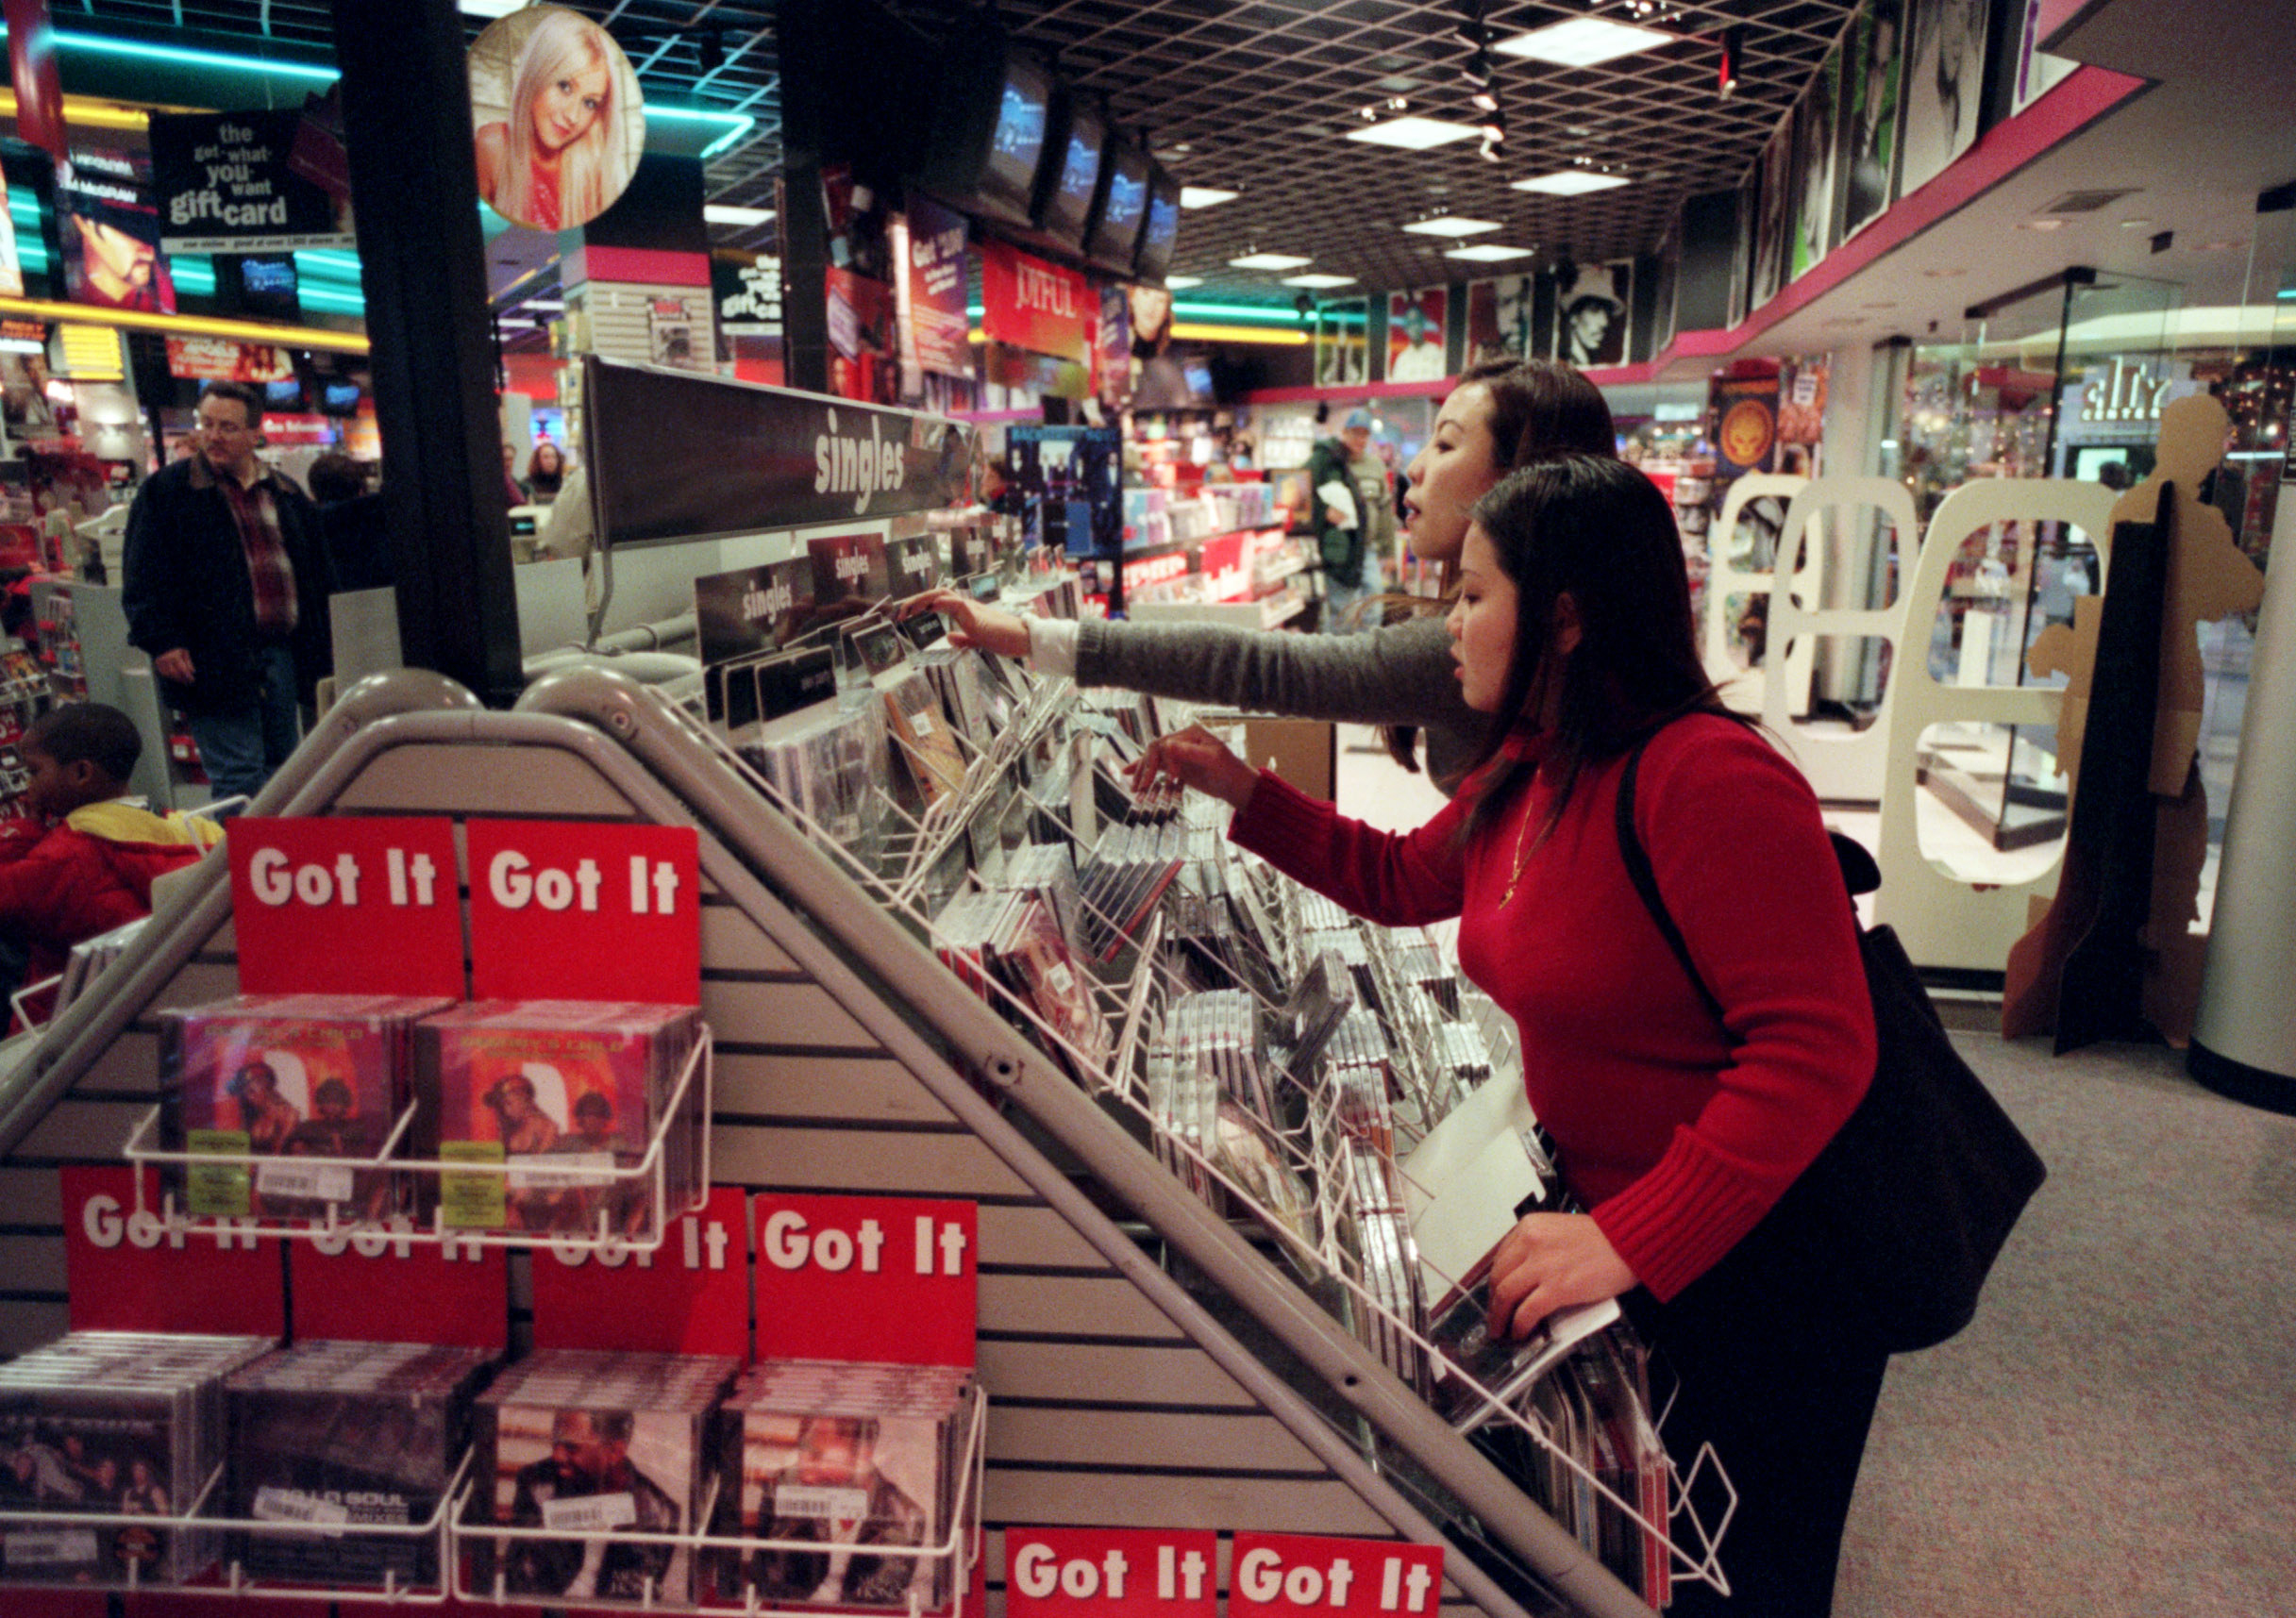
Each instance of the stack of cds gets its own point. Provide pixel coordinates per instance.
(956, 679)
(1218, 1035)
(348, 1434)
(825, 762)
(569, 1089)
(89, 957)
(923, 737)
(1416, 961)
(1048, 871)
(282, 1076)
(582, 1445)
(846, 1466)
(113, 1424)
(1012, 940)
(1127, 874)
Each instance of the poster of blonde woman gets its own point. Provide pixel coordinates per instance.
(559, 115)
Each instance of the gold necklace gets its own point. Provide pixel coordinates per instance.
(1522, 857)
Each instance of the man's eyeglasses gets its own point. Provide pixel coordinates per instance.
(208, 425)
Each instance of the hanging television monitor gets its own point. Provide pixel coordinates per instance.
(1162, 230)
(987, 136)
(1071, 175)
(1114, 240)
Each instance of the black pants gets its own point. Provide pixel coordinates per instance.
(1783, 1387)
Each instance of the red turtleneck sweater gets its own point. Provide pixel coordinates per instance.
(1677, 1136)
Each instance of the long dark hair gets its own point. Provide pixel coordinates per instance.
(1598, 529)
(1536, 405)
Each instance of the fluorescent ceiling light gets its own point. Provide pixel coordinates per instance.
(725, 213)
(1415, 134)
(1583, 41)
(488, 8)
(1182, 283)
(1489, 252)
(1571, 182)
(1269, 261)
(1319, 280)
(1452, 225)
(1205, 197)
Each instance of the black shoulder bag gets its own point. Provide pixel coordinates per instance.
(1910, 1201)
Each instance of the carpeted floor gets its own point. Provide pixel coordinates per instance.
(2116, 1434)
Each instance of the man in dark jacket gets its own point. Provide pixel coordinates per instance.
(1339, 522)
(226, 586)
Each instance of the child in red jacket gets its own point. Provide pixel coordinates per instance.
(83, 862)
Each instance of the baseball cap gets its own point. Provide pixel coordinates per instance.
(1356, 419)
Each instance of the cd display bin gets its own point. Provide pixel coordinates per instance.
(958, 1551)
(227, 1532)
(329, 1178)
(1154, 1359)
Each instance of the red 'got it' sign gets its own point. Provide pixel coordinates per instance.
(571, 910)
(345, 906)
(1110, 1573)
(1284, 1576)
(888, 1279)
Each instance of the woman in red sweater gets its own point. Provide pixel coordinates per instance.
(1572, 631)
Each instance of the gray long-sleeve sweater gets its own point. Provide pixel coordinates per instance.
(1399, 673)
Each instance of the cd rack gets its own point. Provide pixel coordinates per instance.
(688, 1108)
(1135, 1005)
(958, 1551)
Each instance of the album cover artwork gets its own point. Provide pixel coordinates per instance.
(286, 1077)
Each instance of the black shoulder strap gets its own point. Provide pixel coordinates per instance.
(1638, 861)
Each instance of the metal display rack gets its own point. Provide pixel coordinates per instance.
(1152, 1362)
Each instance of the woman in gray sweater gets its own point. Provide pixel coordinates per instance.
(1400, 675)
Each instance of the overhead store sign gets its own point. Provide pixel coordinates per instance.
(226, 184)
(935, 289)
(682, 456)
(1029, 304)
(219, 359)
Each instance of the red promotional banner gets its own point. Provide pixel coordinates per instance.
(1281, 1576)
(936, 289)
(141, 1271)
(216, 359)
(1036, 305)
(40, 86)
(690, 1296)
(1110, 1573)
(576, 910)
(867, 1278)
(355, 1285)
(344, 906)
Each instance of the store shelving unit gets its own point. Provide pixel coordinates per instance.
(1149, 1364)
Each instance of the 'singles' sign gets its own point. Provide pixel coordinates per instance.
(691, 457)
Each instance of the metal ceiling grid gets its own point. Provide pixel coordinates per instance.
(1255, 96)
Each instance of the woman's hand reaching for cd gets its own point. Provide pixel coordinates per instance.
(1196, 757)
(990, 628)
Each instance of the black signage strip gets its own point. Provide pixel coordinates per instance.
(680, 455)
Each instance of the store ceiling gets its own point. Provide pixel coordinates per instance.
(1253, 96)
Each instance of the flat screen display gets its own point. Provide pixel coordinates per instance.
(1115, 229)
(339, 398)
(287, 395)
(1068, 204)
(1016, 144)
(1163, 227)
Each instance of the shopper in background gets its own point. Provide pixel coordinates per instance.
(545, 472)
(350, 523)
(226, 586)
(514, 486)
(1573, 635)
(1339, 522)
(1379, 505)
(1399, 675)
(83, 862)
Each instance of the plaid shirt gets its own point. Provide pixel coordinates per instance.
(274, 576)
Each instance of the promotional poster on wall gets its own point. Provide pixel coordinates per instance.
(2037, 71)
(1814, 167)
(933, 289)
(1593, 310)
(107, 230)
(1342, 350)
(226, 184)
(1773, 227)
(1503, 320)
(1872, 102)
(1944, 83)
(560, 118)
(1418, 328)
